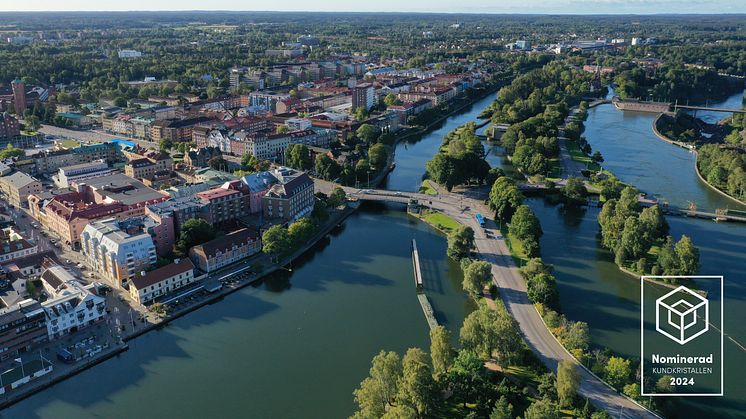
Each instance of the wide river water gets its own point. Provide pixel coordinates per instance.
(295, 345)
(592, 289)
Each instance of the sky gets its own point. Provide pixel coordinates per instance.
(437, 6)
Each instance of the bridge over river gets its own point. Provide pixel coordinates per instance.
(491, 247)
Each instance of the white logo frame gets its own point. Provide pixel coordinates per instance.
(642, 336)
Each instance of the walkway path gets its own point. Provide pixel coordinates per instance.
(513, 293)
(570, 167)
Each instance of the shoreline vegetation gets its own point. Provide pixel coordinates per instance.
(694, 149)
(492, 373)
(720, 176)
(166, 317)
(523, 235)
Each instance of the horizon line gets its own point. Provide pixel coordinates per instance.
(373, 12)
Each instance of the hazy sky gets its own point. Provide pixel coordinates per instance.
(448, 6)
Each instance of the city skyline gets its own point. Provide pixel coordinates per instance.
(414, 6)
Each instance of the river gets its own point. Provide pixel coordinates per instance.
(413, 153)
(593, 290)
(295, 345)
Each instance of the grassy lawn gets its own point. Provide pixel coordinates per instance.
(576, 153)
(440, 221)
(427, 189)
(555, 168)
(515, 246)
(524, 374)
(69, 144)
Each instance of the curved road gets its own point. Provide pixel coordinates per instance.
(512, 288)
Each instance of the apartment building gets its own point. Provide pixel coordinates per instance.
(18, 186)
(363, 96)
(14, 246)
(226, 250)
(66, 215)
(71, 306)
(118, 250)
(291, 197)
(148, 286)
(80, 172)
(22, 327)
(224, 205)
(9, 126)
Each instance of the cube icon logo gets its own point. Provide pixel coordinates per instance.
(682, 315)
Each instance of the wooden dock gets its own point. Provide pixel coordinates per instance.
(427, 308)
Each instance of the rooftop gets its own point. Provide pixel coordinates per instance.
(122, 188)
(226, 243)
(179, 266)
(18, 179)
(258, 182)
(216, 193)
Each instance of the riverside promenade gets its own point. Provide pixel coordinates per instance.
(512, 290)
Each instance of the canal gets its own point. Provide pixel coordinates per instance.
(413, 153)
(593, 290)
(296, 344)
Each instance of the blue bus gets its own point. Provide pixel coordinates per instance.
(480, 220)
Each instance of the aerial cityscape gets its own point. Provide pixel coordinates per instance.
(366, 212)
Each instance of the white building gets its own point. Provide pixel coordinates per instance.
(298, 124)
(13, 246)
(80, 172)
(148, 286)
(268, 148)
(129, 53)
(70, 306)
(119, 250)
(219, 139)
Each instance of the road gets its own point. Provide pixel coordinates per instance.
(513, 293)
(98, 136)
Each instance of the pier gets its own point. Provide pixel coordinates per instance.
(416, 264)
(427, 308)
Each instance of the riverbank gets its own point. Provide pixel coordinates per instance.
(666, 139)
(429, 127)
(240, 280)
(45, 382)
(49, 380)
(492, 248)
(693, 149)
(711, 186)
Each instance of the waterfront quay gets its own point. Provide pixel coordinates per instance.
(111, 337)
